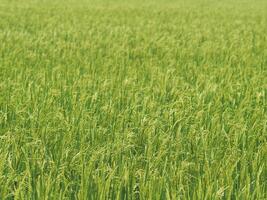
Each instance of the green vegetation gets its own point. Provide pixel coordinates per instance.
(133, 99)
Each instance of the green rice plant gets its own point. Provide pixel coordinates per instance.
(133, 99)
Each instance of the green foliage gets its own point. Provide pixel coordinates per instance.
(133, 99)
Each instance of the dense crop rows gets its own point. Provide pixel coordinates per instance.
(133, 100)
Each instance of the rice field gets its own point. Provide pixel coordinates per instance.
(133, 99)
